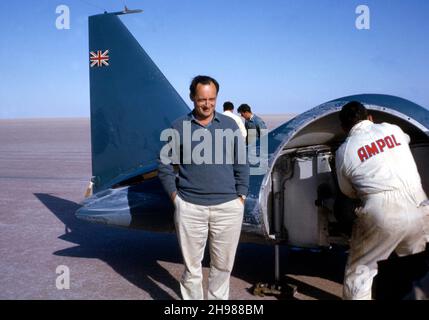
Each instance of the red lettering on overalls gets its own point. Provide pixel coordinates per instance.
(362, 154)
(371, 150)
(389, 142)
(381, 144)
(394, 140)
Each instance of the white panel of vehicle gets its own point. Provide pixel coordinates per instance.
(301, 216)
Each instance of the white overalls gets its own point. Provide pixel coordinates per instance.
(375, 164)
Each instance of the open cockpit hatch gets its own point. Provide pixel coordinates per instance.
(304, 205)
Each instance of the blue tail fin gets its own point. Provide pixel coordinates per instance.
(131, 103)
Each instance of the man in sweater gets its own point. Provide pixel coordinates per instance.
(209, 190)
(375, 165)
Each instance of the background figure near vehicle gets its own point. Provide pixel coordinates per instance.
(253, 123)
(228, 110)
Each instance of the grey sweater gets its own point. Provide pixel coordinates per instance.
(214, 181)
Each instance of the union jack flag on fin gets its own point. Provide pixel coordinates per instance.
(99, 58)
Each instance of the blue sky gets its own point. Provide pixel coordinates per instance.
(279, 56)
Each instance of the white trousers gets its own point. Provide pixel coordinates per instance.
(388, 221)
(221, 224)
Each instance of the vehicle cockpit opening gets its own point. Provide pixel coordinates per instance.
(305, 207)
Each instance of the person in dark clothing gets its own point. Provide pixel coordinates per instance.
(253, 123)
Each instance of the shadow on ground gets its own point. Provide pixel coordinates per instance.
(255, 263)
(131, 253)
(135, 254)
